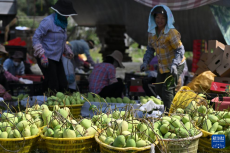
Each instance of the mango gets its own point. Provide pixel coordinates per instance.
(109, 140)
(141, 143)
(131, 143)
(69, 133)
(86, 123)
(119, 141)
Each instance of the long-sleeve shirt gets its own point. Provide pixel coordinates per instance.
(50, 38)
(81, 47)
(169, 50)
(102, 75)
(9, 66)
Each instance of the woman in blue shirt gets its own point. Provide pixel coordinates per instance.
(15, 64)
(49, 43)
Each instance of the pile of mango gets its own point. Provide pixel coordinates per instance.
(121, 129)
(175, 126)
(97, 98)
(64, 100)
(23, 124)
(66, 127)
(145, 99)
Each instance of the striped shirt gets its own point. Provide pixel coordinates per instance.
(102, 75)
(51, 37)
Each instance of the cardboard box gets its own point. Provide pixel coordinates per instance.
(215, 63)
(202, 65)
(204, 57)
(214, 49)
(224, 69)
(199, 71)
(136, 82)
(222, 80)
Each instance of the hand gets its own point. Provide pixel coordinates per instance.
(174, 70)
(143, 67)
(69, 55)
(44, 61)
(21, 82)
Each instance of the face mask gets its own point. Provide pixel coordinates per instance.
(16, 63)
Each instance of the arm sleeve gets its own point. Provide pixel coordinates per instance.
(6, 65)
(112, 75)
(90, 60)
(39, 33)
(177, 46)
(149, 54)
(10, 77)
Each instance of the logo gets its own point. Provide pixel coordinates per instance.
(218, 141)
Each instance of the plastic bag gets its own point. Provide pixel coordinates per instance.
(202, 82)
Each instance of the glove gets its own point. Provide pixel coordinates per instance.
(44, 61)
(143, 67)
(174, 70)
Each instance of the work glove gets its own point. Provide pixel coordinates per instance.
(174, 70)
(44, 61)
(143, 67)
(68, 52)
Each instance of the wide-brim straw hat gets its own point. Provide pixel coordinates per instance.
(64, 8)
(118, 56)
(3, 49)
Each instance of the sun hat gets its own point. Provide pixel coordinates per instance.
(64, 8)
(118, 56)
(2, 49)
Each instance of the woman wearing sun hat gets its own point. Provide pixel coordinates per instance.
(49, 45)
(103, 80)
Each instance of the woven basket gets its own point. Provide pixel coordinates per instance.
(74, 109)
(70, 145)
(104, 148)
(21, 145)
(184, 145)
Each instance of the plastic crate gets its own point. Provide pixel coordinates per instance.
(30, 89)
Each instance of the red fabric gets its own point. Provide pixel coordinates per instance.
(177, 4)
(101, 76)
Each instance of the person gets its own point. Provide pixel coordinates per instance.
(14, 64)
(164, 39)
(69, 72)
(81, 47)
(49, 43)
(102, 80)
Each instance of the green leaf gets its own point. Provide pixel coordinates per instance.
(13, 97)
(92, 107)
